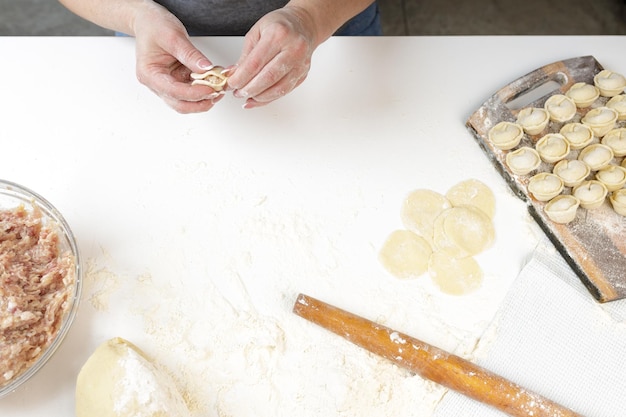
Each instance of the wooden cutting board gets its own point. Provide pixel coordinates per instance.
(594, 244)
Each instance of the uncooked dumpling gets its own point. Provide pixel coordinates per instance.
(560, 107)
(473, 193)
(420, 209)
(506, 135)
(213, 78)
(583, 94)
(119, 381)
(456, 276)
(405, 254)
(577, 134)
(552, 147)
(533, 119)
(609, 83)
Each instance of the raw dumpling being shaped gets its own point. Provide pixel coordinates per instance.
(213, 78)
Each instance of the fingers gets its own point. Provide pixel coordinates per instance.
(276, 58)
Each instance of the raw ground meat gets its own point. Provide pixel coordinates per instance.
(36, 286)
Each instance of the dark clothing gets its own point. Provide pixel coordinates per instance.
(236, 17)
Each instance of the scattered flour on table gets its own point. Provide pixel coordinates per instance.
(230, 339)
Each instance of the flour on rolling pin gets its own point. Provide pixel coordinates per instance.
(593, 241)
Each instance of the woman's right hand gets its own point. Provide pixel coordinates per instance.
(165, 58)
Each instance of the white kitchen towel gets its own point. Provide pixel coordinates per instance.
(552, 337)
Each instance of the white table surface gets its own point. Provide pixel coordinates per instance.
(198, 231)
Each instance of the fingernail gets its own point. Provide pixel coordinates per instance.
(240, 93)
(228, 70)
(205, 64)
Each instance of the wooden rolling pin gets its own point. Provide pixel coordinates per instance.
(430, 362)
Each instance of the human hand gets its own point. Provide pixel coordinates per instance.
(165, 59)
(276, 56)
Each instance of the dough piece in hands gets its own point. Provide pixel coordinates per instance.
(455, 276)
(463, 231)
(404, 254)
(473, 193)
(420, 209)
(118, 380)
(213, 78)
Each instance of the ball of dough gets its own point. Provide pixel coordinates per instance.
(405, 255)
(118, 380)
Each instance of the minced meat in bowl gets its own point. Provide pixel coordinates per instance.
(40, 283)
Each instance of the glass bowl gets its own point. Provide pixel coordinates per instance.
(20, 314)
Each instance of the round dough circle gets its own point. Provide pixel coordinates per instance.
(420, 209)
(473, 193)
(405, 255)
(455, 276)
(463, 231)
(119, 381)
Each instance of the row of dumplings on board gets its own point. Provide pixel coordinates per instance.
(584, 153)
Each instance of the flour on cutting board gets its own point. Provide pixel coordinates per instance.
(219, 318)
